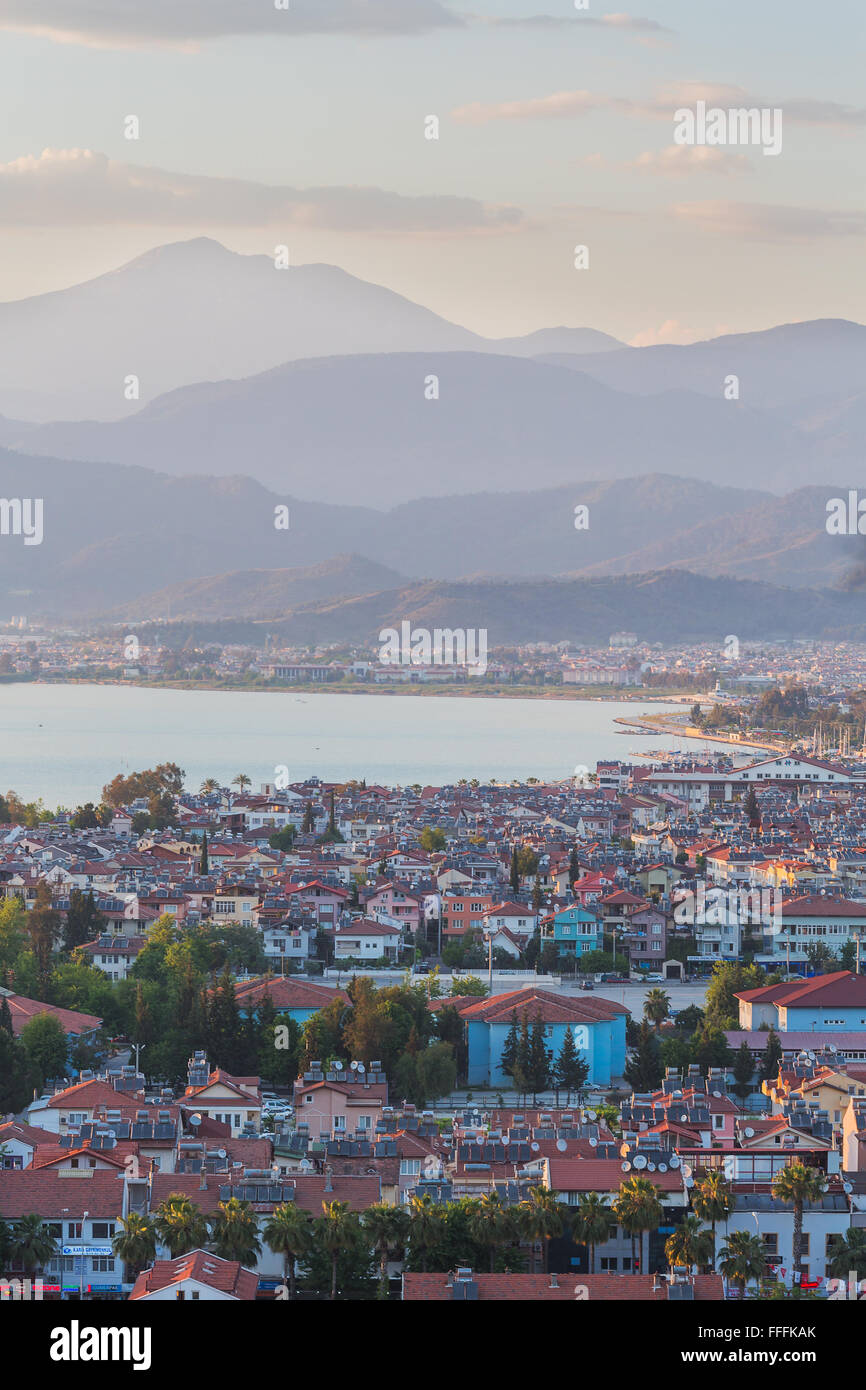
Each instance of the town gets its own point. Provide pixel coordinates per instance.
(598, 1038)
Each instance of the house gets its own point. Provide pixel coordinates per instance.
(198, 1276)
(597, 1027)
(344, 1102)
(289, 941)
(366, 940)
(114, 955)
(78, 1027)
(517, 918)
(234, 1100)
(297, 999)
(576, 930)
(824, 1004)
(807, 921)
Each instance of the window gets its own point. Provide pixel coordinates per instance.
(102, 1265)
(102, 1230)
(771, 1242)
(608, 1264)
(73, 1230)
(718, 1122)
(410, 1167)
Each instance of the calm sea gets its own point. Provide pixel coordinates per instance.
(64, 742)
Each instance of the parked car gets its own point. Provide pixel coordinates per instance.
(587, 985)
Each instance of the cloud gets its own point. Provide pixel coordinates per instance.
(671, 331)
(186, 23)
(766, 222)
(83, 188)
(660, 106)
(557, 105)
(677, 160)
(633, 24)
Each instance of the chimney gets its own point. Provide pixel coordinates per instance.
(554, 1282)
(329, 1174)
(202, 1186)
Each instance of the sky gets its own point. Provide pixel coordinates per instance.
(305, 126)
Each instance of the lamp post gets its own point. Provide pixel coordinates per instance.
(83, 1256)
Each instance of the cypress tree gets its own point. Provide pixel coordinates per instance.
(511, 1046)
(204, 864)
(539, 1057)
(772, 1057)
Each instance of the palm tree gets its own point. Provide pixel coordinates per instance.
(208, 786)
(287, 1233)
(690, 1244)
(712, 1201)
(798, 1184)
(637, 1209)
(31, 1245)
(180, 1225)
(235, 1232)
(387, 1228)
(657, 1007)
(743, 1258)
(492, 1223)
(135, 1243)
(849, 1253)
(541, 1218)
(590, 1223)
(335, 1231)
(241, 781)
(425, 1227)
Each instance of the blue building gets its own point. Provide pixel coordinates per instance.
(834, 1003)
(577, 930)
(291, 998)
(597, 1026)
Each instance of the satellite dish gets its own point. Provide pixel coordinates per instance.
(306, 1166)
(684, 1117)
(650, 1167)
(663, 1167)
(674, 1160)
(338, 1066)
(626, 1167)
(361, 1068)
(750, 1133)
(687, 1170)
(221, 1153)
(593, 1143)
(195, 1120)
(717, 1094)
(535, 1147)
(690, 1182)
(640, 1161)
(591, 1115)
(562, 1146)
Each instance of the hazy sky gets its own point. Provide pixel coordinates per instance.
(306, 126)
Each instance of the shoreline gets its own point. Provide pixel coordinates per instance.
(452, 690)
(655, 726)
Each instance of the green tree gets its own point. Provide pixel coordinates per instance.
(32, 1246)
(743, 1258)
(180, 1225)
(432, 839)
(590, 1223)
(540, 1219)
(689, 1245)
(425, 1227)
(657, 1007)
(798, 1184)
(135, 1243)
(540, 1058)
(242, 781)
(43, 929)
(744, 1071)
(493, 1225)
(387, 1229)
(234, 1232)
(728, 979)
(283, 840)
(643, 1070)
(637, 1208)
(287, 1232)
(309, 821)
(84, 921)
(769, 1067)
(335, 1233)
(712, 1200)
(45, 1046)
(849, 1252)
(571, 1071)
(511, 1046)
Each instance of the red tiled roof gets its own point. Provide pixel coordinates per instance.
(22, 1010)
(553, 1008)
(359, 1191)
(228, 1276)
(532, 1288)
(840, 989)
(288, 993)
(55, 1196)
(603, 1175)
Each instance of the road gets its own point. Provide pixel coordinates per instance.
(633, 995)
